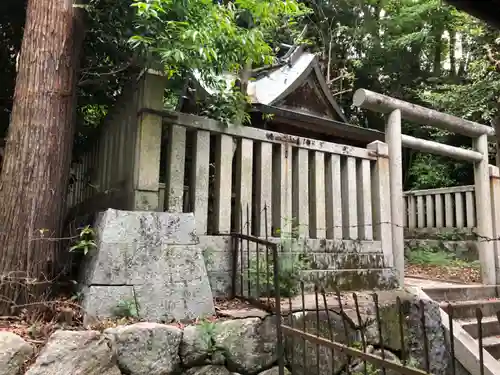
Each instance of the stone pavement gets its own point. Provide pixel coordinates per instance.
(423, 283)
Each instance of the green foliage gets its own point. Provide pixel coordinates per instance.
(211, 38)
(421, 51)
(429, 172)
(290, 266)
(292, 260)
(436, 256)
(85, 241)
(227, 106)
(126, 309)
(207, 327)
(454, 234)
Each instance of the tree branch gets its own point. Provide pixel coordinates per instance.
(104, 76)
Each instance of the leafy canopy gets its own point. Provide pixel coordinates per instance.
(212, 37)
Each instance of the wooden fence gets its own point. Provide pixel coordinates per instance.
(232, 178)
(107, 174)
(235, 176)
(452, 207)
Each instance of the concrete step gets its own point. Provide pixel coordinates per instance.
(350, 279)
(462, 293)
(467, 309)
(490, 326)
(492, 345)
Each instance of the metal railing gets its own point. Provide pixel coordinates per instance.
(327, 333)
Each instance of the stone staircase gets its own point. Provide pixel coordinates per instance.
(465, 300)
(346, 265)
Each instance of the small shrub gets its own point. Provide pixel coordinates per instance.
(436, 256)
(292, 260)
(85, 241)
(126, 309)
(290, 266)
(207, 334)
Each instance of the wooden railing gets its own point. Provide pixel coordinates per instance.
(232, 177)
(452, 207)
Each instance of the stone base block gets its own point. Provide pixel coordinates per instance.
(151, 262)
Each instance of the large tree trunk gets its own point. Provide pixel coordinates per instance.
(38, 151)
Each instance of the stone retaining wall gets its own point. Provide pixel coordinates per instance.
(246, 346)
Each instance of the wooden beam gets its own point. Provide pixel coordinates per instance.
(385, 104)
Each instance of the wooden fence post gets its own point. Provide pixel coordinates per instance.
(484, 212)
(495, 208)
(148, 143)
(393, 140)
(381, 201)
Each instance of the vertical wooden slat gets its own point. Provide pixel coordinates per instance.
(108, 155)
(470, 209)
(122, 134)
(200, 170)
(95, 168)
(113, 157)
(282, 189)
(381, 197)
(439, 211)
(420, 212)
(90, 170)
(176, 159)
(459, 211)
(264, 188)
(405, 210)
(333, 197)
(71, 193)
(87, 163)
(448, 209)
(244, 183)
(364, 193)
(349, 199)
(79, 184)
(429, 211)
(495, 209)
(82, 179)
(86, 166)
(317, 225)
(300, 191)
(223, 183)
(412, 212)
(102, 160)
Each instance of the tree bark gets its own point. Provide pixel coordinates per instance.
(38, 151)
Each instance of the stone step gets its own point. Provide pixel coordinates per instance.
(316, 245)
(462, 293)
(467, 309)
(492, 345)
(490, 326)
(321, 260)
(351, 260)
(332, 246)
(350, 279)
